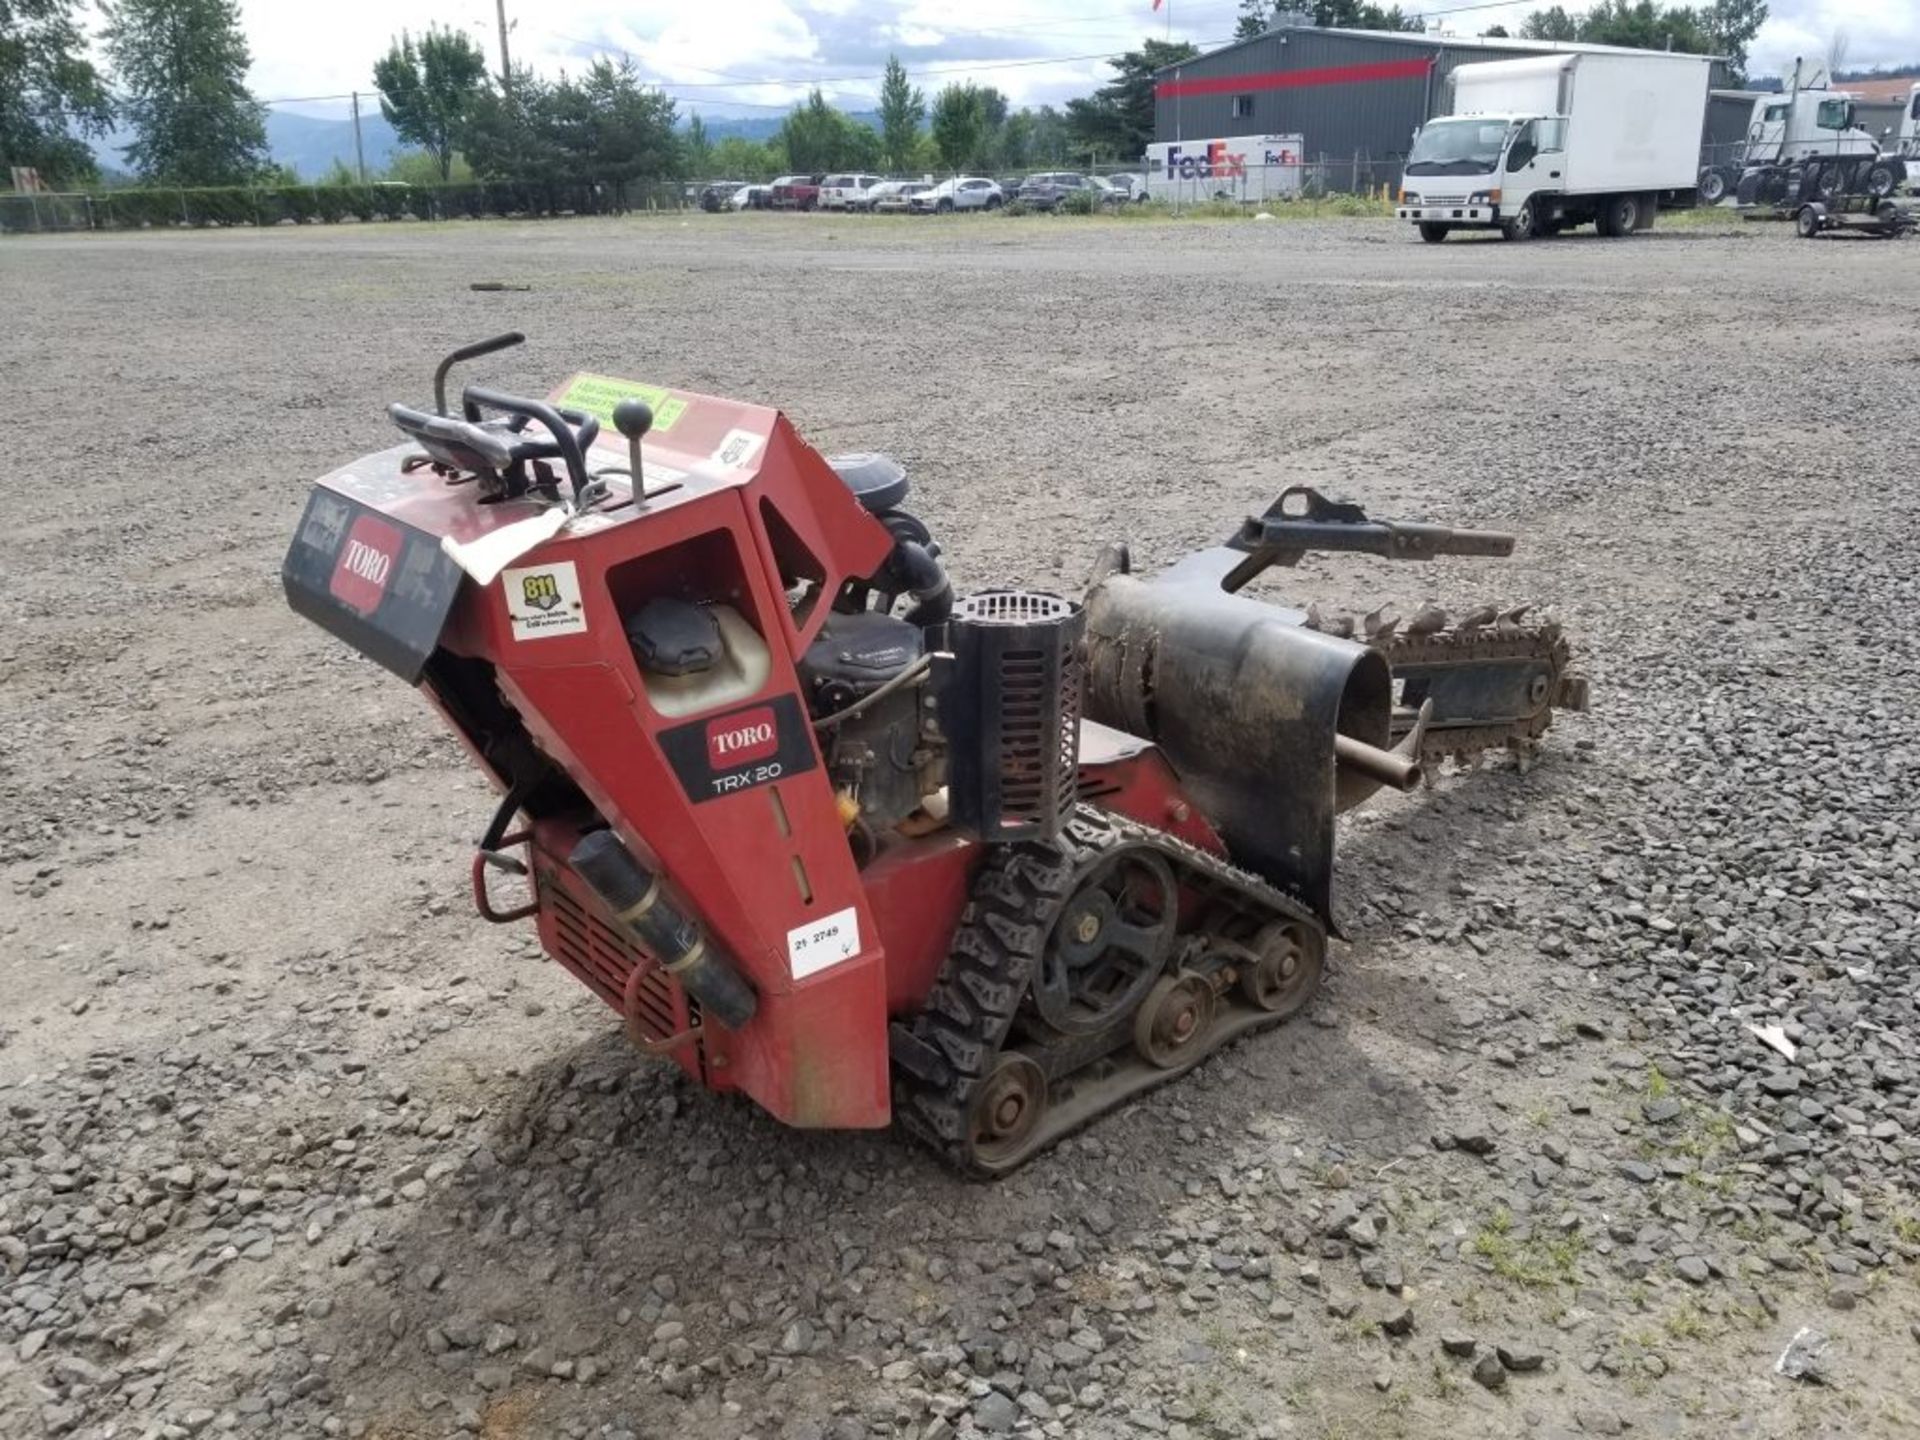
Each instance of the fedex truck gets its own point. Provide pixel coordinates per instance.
(1241, 167)
(1535, 146)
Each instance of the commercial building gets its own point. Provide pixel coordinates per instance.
(1355, 97)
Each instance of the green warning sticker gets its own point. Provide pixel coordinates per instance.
(598, 394)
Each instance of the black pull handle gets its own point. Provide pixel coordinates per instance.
(469, 352)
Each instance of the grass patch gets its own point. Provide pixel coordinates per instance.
(1534, 1261)
(1688, 1322)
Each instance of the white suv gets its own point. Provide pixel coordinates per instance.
(846, 192)
(963, 192)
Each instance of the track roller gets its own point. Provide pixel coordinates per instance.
(1170, 1027)
(1282, 965)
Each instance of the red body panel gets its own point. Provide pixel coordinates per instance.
(727, 800)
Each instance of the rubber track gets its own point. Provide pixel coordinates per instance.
(1017, 896)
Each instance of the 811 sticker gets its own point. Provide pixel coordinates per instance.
(544, 601)
(821, 944)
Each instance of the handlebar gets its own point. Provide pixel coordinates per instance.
(573, 431)
(469, 352)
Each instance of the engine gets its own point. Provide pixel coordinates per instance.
(864, 680)
(865, 677)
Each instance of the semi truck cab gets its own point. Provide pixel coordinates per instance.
(1807, 125)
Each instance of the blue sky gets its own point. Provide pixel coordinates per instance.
(757, 56)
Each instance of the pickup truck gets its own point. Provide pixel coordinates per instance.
(797, 192)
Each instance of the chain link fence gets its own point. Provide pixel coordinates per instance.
(1360, 182)
(1354, 184)
(162, 208)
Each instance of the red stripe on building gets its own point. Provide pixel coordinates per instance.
(1295, 79)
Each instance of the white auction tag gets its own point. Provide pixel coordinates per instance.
(823, 943)
(493, 552)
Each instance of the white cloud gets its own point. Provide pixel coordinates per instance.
(1878, 32)
(703, 51)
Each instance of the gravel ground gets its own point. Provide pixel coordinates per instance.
(291, 1145)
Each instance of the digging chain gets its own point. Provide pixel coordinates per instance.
(1543, 643)
(1017, 897)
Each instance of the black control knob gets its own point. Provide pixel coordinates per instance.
(633, 418)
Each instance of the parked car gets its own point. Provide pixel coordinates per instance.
(752, 197)
(797, 192)
(719, 194)
(846, 192)
(1047, 190)
(1107, 194)
(1134, 185)
(1010, 185)
(895, 197)
(963, 192)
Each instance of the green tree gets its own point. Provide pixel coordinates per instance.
(959, 126)
(1364, 15)
(428, 89)
(903, 109)
(51, 97)
(609, 126)
(736, 157)
(183, 65)
(1495, 32)
(1731, 26)
(421, 167)
(1254, 15)
(818, 137)
(606, 127)
(338, 173)
(699, 149)
(1116, 121)
(1550, 24)
(502, 138)
(1723, 27)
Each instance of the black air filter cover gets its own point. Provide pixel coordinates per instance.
(1010, 707)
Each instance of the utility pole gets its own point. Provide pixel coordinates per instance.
(506, 65)
(359, 151)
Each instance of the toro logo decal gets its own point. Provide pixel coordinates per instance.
(726, 754)
(1213, 163)
(741, 738)
(366, 561)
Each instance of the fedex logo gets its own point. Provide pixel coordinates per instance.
(1213, 163)
(1281, 157)
(736, 740)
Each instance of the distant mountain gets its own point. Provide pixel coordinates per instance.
(309, 143)
(762, 127)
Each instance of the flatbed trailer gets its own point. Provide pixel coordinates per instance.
(1883, 219)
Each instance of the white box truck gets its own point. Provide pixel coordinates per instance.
(1535, 146)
